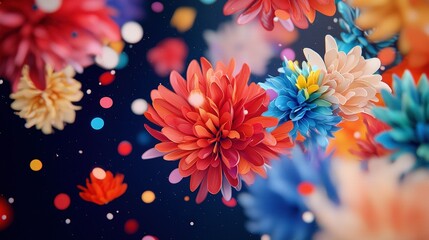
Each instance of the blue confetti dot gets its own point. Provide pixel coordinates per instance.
(123, 60)
(143, 138)
(208, 1)
(97, 123)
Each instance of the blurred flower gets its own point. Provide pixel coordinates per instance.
(168, 55)
(126, 10)
(403, 66)
(212, 123)
(72, 35)
(289, 12)
(353, 36)
(239, 42)
(368, 147)
(276, 205)
(349, 77)
(406, 112)
(103, 191)
(376, 204)
(298, 99)
(51, 107)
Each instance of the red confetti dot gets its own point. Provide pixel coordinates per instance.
(125, 148)
(387, 56)
(6, 214)
(106, 78)
(131, 226)
(62, 201)
(305, 188)
(106, 102)
(231, 203)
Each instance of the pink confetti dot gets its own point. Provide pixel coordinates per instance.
(106, 102)
(157, 7)
(289, 53)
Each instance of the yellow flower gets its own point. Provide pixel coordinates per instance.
(51, 107)
(310, 85)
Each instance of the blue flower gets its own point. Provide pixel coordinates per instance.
(126, 10)
(298, 100)
(353, 36)
(407, 113)
(276, 207)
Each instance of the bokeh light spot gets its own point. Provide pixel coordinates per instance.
(143, 138)
(131, 226)
(67, 221)
(36, 165)
(308, 217)
(123, 60)
(125, 148)
(139, 106)
(186, 198)
(149, 237)
(106, 78)
(106, 102)
(183, 18)
(108, 59)
(208, 1)
(6, 213)
(62, 201)
(97, 123)
(132, 32)
(387, 56)
(148, 196)
(196, 98)
(305, 188)
(109, 216)
(157, 7)
(289, 53)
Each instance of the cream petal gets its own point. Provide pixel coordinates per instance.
(330, 43)
(314, 59)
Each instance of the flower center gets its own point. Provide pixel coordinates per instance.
(310, 84)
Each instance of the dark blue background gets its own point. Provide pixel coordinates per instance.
(169, 216)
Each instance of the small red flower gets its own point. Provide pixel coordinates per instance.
(212, 123)
(103, 191)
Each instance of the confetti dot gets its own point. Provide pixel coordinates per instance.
(36, 165)
(11, 200)
(157, 7)
(139, 106)
(356, 135)
(97, 123)
(68, 221)
(208, 1)
(308, 217)
(106, 102)
(123, 60)
(231, 203)
(276, 19)
(106, 78)
(143, 138)
(288, 53)
(109, 216)
(387, 55)
(125, 148)
(6, 213)
(191, 223)
(1, 81)
(131, 226)
(183, 18)
(186, 198)
(80, 151)
(108, 59)
(62, 201)
(265, 237)
(149, 237)
(305, 188)
(99, 173)
(88, 91)
(148, 196)
(335, 20)
(196, 98)
(48, 6)
(132, 32)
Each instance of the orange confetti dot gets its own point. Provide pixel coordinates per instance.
(36, 165)
(183, 18)
(305, 188)
(148, 196)
(186, 198)
(387, 56)
(131, 226)
(62, 201)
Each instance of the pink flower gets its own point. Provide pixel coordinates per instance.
(72, 35)
(376, 204)
(212, 123)
(170, 54)
(290, 12)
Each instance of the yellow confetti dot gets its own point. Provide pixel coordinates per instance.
(183, 18)
(36, 165)
(148, 196)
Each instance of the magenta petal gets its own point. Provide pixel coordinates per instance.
(175, 176)
(152, 153)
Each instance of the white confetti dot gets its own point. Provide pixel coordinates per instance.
(11, 200)
(139, 106)
(68, 221)
(117, 211)
(113, 72)
(265, 237)
(356, 135)
(308, 217)
(99, 173)
(276, 19)
(108, 59)
(109, 216)
(48, 6)
(335, 20)
(191, 223)
(80, 151)
(132, 32)
(88, 91)
(3, 217)
(245, 112)
(1, 81)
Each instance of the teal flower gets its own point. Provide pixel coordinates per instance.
(407, 113)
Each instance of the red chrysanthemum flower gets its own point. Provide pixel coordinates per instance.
(72, 35)
(368, 147)
(298, 11)
(213, 124)
(103, 191)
